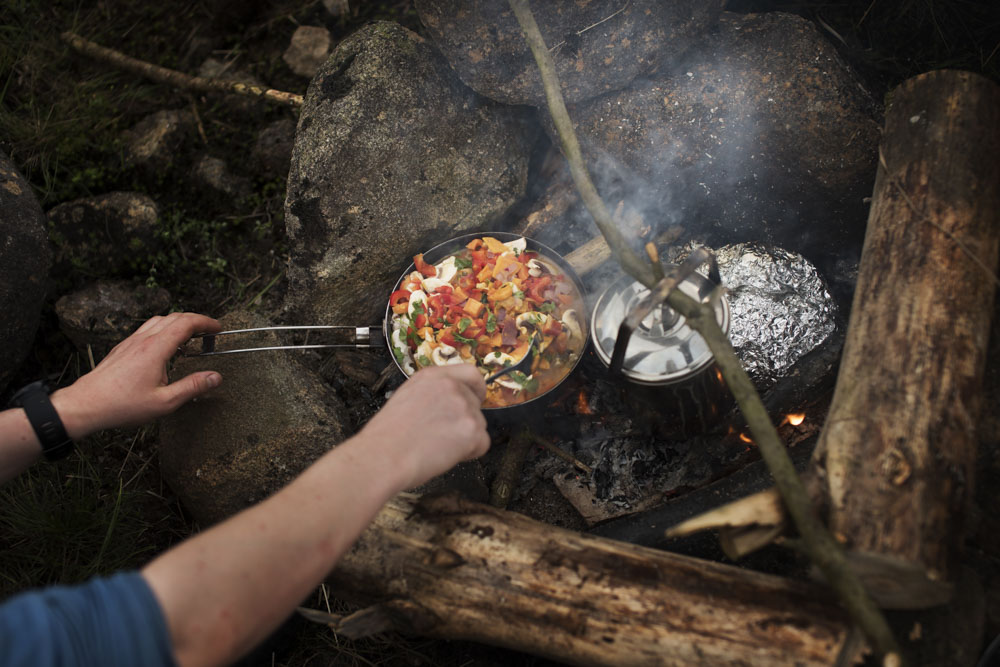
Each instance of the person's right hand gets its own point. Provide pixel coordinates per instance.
(432, 422)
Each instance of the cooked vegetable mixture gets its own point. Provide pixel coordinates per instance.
(483, 305)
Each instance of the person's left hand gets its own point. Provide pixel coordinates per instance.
(130, 385)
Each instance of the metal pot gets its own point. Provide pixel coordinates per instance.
(636, 334)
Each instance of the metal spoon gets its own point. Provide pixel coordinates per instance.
(523, 364)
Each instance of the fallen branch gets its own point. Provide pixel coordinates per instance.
(450, 568)
(823, 550)
(175, 78)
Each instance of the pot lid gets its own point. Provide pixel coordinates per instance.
(663, 349)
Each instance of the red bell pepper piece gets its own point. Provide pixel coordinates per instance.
(398, 297)
(538, 286)
(552, 327)
(467, 282)
(423, 267)
(447, 338)
(478, 260)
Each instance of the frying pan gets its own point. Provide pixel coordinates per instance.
(363, 337)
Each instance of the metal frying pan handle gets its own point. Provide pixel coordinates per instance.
(362, 339)
(660, 292)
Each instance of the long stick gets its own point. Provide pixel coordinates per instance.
(822, 548)
(175, 78)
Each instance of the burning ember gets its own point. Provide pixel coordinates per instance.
(795, 418)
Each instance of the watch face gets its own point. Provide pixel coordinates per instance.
(17, 400)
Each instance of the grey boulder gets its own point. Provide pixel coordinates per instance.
(103, 234)
(596, 47)
(25, 260)
(104, 313)
(761, 133)
(271, 417)
(392, 155)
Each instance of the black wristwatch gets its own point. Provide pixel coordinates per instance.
(42, 416)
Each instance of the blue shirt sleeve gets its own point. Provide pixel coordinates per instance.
(106, 621)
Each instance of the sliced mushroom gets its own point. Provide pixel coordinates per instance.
(505, 381)
(446, 355)
(418, 296)
(498, 359)
(517, 246)
(502, 359)
(532, 320)
(446, 268)
(432, 284)
(399, 345)
(425, 349)
(538, 267)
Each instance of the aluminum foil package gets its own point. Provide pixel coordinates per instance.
(781, 308)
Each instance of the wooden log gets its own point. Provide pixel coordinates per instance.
(454, 569)
(894, 466)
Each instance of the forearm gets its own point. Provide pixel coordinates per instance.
(229, 587)
(19, 446)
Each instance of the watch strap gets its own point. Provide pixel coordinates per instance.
(42, 415)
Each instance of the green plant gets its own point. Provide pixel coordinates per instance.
(92, 513)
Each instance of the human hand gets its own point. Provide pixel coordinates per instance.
(130, 385)
(432, 422)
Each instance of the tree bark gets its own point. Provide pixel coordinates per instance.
(894, 466)
(455, 569)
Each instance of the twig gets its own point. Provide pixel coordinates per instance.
(509, 473)
(175, 78)
(654, 258)
(260, 295)
(564, 455)
(824, 551)
(589, 27)
(198, 123)
(630, 261)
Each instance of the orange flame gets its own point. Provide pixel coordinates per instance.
(795, 418)
(745, 438)
(582, 404)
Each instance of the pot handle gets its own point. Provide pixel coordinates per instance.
(362, 338)
(657, 296)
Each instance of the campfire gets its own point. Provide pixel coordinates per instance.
(639, 437)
